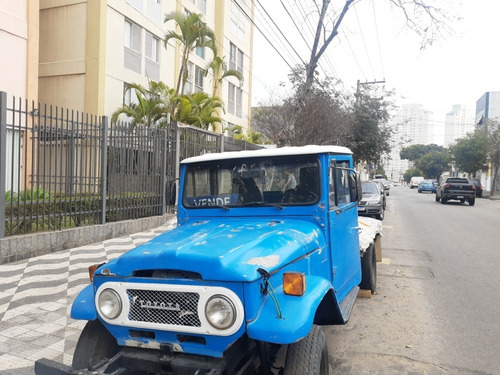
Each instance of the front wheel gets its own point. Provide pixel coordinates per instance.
(94, 345)
(381, 215)
(472, 201)
(443, 200)
(309, 355)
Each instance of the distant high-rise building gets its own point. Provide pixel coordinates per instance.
(488, 106)
(416, 124)
(458, 122)
(413, 126)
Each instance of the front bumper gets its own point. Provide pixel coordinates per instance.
(370, 210)
(134, 361)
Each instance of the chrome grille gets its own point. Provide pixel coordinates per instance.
(163, 307)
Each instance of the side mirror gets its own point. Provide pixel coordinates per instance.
(172, 192)
(355, 187)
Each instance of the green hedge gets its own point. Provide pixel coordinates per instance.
(55, 213)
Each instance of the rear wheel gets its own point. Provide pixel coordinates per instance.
(94, 345)
(369, 270)
(309, 355)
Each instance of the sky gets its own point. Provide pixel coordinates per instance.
(373, 45)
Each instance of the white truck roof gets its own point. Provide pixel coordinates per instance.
(311, 149)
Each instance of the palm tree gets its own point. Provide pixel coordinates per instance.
(152, 107)
(198, 109)
(220, 71)
(193, 33)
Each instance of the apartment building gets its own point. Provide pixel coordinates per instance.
(458, 122)
(488, 108)
(91, 49)
(19, 46)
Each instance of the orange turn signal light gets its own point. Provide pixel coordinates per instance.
(294, 283)
(92, 270)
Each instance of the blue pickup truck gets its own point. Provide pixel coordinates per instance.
(267, 249)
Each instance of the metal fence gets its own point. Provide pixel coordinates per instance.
(62, 169)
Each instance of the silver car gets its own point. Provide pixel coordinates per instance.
(372, 202)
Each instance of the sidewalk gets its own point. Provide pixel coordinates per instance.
(36, 297)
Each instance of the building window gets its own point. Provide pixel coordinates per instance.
(236, 57)
(132, 36)
(231, 99)
(152, 47)
(239, 101)
(232, 56)
(198, 79)
(202, 5)
(200, 51)
(239, 62)
(237, 25)
(132, 46)
(235, 100)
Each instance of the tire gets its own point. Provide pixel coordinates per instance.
(369, 270)
(94, 345)
(308, 356)
(381, 215)
(472, 202)
(437, 198)
(443, 200)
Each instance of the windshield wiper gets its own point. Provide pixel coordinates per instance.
(263, 203)
(227, 208)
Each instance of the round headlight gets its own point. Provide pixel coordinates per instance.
(110, 304)
(220, 312)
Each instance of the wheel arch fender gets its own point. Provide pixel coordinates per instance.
(297, 313)
(83, 307)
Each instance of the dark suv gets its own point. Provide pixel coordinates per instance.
(479, 187)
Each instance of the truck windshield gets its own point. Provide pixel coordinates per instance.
(276, 181)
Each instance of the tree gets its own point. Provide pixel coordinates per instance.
(427, 21)
(219, 70)
(415, 152)
(152, 106)
(470, 152)
(370, 136)
(433, 164)
(198, 110)
(492, 128)
(193, 33)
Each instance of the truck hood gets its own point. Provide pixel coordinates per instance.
(223, 250)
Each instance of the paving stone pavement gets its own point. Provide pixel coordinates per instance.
(36, 297)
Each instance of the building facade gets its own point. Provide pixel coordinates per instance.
(458, 122)
(19, 44)
(91, 49)
(488, 107)
(413, 126)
